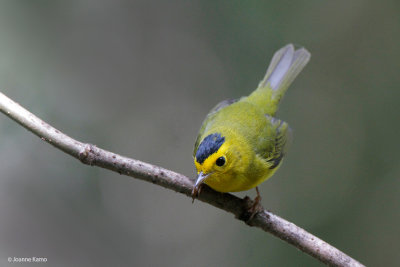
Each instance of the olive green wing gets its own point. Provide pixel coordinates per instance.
(210, 116)
(275, 146)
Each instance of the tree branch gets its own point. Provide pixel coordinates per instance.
(92, 155)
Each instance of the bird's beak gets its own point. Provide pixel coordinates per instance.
(200, 178)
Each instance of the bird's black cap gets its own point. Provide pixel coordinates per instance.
(209, 146)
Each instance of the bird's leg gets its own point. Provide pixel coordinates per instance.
(257, 200)
(256, 207)
(196, 191)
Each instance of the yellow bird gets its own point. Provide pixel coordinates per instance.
(241, 143)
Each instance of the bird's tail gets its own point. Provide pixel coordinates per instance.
(285, 65)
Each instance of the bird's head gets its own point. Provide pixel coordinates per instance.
(214, 157)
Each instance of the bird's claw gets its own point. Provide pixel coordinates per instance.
(255, 207)
(196, 191)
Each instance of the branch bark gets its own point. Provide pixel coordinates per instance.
(94, 156)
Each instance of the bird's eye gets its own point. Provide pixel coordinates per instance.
(220, 161)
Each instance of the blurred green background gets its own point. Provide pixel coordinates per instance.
(138, 77)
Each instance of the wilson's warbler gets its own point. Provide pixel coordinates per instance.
(241, 143)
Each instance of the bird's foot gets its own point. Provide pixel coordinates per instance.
(255, 206)
(196, 191)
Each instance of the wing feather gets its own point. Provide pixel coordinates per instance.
(278, 143)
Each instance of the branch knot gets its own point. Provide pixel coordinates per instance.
(87, 155)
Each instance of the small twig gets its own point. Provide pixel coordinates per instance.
(92, 155)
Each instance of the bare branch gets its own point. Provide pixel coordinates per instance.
(92, 155)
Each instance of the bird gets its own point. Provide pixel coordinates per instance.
(241, 143)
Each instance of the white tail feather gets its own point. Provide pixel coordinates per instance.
(285, 65)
